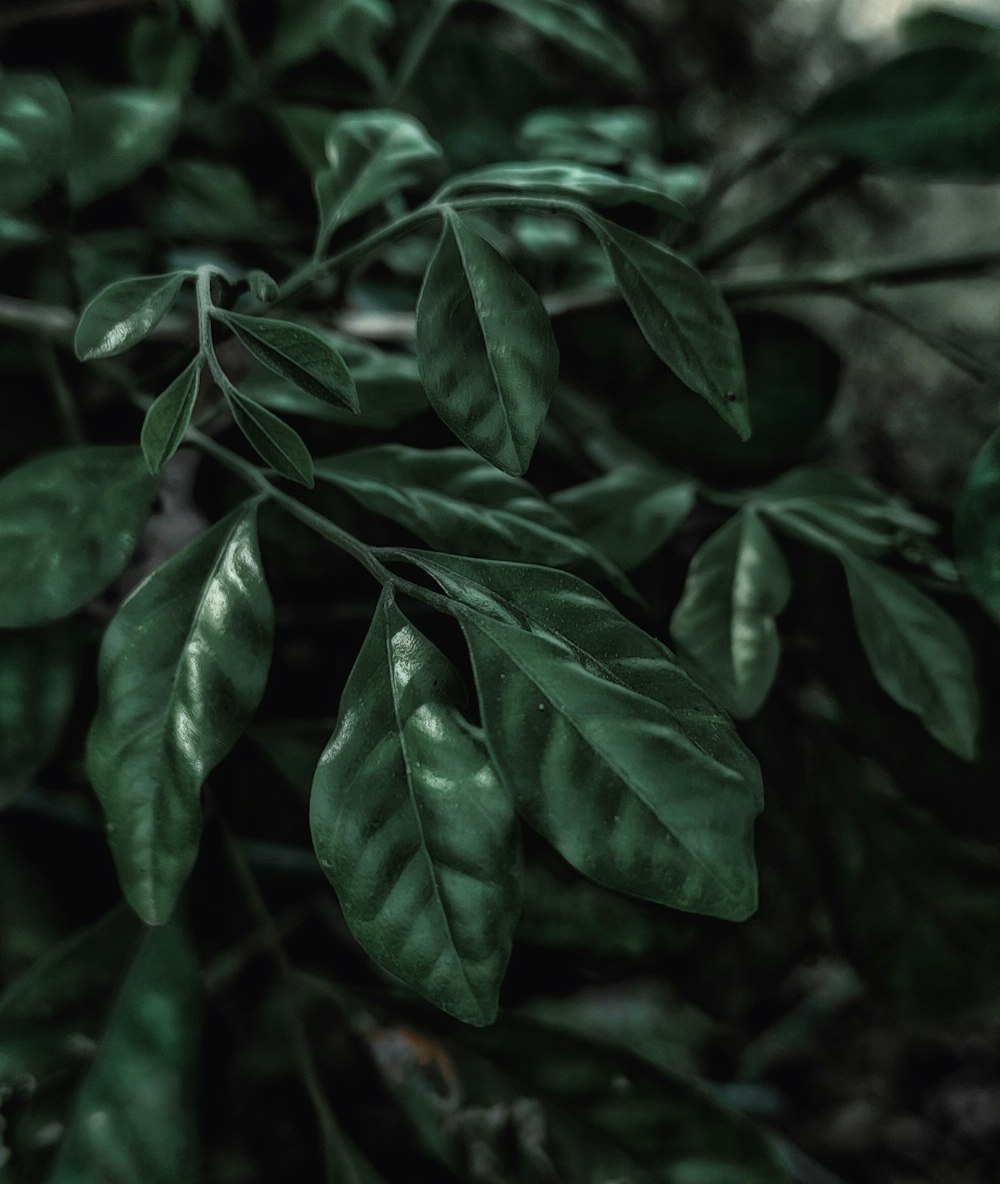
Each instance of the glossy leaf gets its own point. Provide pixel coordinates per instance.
(349, 28)
(487, 356)
(134, 1116)
(412, 826)
(597, 186)
(591, 135)
(630, 512)
(977, 527)
(297, 354)
(182, 668)
(681, 315)
(117, 135)
(167, 420)
(918, 654)
(933, 112)
(124, 313)
(272, 439)
(736, 585)
(35, 122)
(69, 522)
(611, 751)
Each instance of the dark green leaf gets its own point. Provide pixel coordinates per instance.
(683, 317)
(944, 26)
(272, 439)
(263, 287)
(591, 135)
(69, 521)
(349, 28)
(35, 122)
(167, 420)
(736, 585)
(918, 654)
(487, 356)
(977, 527)
(183, 666)
(204, 199)
(124, 313)
(610, 750)
(305, 129)
(208, 14)
(413, 828)
(630, 512)
(932, 111)
(296, 353)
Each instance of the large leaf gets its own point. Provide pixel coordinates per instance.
(942, 26)
(69, 521)
(168, 418)
(977, 527)
(349, 28)
(182, 669)
(124, 313)
(34, 136)
(609, 748)
(487, 356)
(917, 652)
(932, 111)
(736, 585)
(591, 135)
(682, 316)
(412, 826)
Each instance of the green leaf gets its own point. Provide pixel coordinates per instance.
(35, 122)
(296, 353)
(134, 1117)
(412, 827)
(487, 356)
(581, 29)
(124, 313)
(205, 199)
(372, 155)
(736, 585)
(591, 135)
(69, 521)
(208, 14)
(977, 527)
(167, 420)
(117, 135)
(682, 316)
(918, 654)
(594, 185)
(945, 26)
(933, 112)
(272, 439)
(182, 668)
(630, 512)
(611, 751)
(349, 28)
(38, 676)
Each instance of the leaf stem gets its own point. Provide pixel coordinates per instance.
(417, 47)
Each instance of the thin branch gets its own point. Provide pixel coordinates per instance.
(434, 16)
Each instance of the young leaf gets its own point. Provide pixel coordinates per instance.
(977, 527)
(124, 313)
(591, 135)
(487, 356)
(69, 521)
(736, 585)
(683, 317)
(932, 112)
(412, 827)
(297, 354)
(610, 750)
(167, 420)
(272, 439)
(918, 654)
(182, 668)
(35, 122)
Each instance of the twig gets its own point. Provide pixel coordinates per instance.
(66, 408)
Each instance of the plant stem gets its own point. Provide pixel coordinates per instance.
(66, 408)
(434, 16)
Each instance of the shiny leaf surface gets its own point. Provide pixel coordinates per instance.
(35, 121)
(412, 826)
(167, 420)
(977, 527)
(272, 439)
(124, 313)
(182, 668)
(591, 135)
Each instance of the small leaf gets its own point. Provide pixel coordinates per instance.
(977, 527)
(591, 135)
(736, 585)
(124, 313)
(262, 286)
(208, 14)
(182, 668)
(918, 654)
(412, 827)
(296, 353)
(683, 317)
(349, 28)
(35, 122)
(167, 420)
(610, 750)
(487, 356)
(69, 522)
(272, 439)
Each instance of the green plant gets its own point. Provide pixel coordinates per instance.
(377, 609)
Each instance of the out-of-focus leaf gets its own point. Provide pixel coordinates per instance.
(971, 28)
(933, 112)
(272, 439)
(977, 527)
(573, 694)
(182, 668)
(305, 129)
(487, 356)
(35, 122)
(208, 200)
(208, 14)
(736, 585)
(124, 313)
(413, 828)
(69, 521)
(167, 420)
(349, 28)
(161, 54)
(590, 135)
